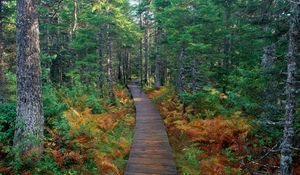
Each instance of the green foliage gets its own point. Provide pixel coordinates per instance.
(208, 103)
(191, 155)
(82, 97)
(7, 124)
(11, 86)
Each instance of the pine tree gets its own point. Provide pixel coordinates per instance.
(30, 120)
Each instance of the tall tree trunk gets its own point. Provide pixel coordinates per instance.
(227, 44)
(290, 108)
(141, 52)
(194, 78)
(270, 92)
(180, 82)
(109, 65)
(146, 49)
(158, 59)
(2, 77)
(30, 118)
(75, 17)
(129, 65)
(100, 65)
(126, 65)
(268, 59)
(120, 65)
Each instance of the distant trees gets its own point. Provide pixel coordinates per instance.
(30, 118)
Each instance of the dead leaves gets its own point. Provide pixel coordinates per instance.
(212, 136)
(94, 137)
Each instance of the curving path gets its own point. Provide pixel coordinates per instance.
(151, 152)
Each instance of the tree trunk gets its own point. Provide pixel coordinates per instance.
(226, 45)
(146, 50)
(30, 119)
(268, 57)
(126, 65)
(100, 65)
(2, 77)
(158, 60)
(120, 65)
(75, 17)
(141, 52)
(180, 71)
(270, 93)
(290, 108)
(109, 66)
(194, 78)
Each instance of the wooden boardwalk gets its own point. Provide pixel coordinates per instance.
(151, 152)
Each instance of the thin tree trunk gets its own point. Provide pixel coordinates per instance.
(126, 64)
(180, 70)
(158, 60)
(271, 109)
(270, 94)
(180, 81)
(100, 65)
(290, 108)
(129, 65)
(109, 66)
(2, 77)
(227, 44)
(120, 65)
(146, 49)
(141, 52)
(30, 118)
(75, 17)
(194, 78)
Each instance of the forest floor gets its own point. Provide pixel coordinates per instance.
(218, 145)
(107, 136)
(88, 140)
(92, 143)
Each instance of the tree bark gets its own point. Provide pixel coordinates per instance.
(290, 108)
(75, 17)
(109, 66)
(100, 65)
(180, 70)
(270, 93)
(30, 119)
(146, 48)
(141, 52)
(226, 45)
(120, 65)
(268, 57)
(2, 76)
(158, 60)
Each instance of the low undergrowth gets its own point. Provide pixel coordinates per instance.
(207, 139)
(83, 134)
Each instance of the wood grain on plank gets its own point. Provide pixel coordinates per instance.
(151, 152)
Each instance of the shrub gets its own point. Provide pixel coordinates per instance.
(7, 124)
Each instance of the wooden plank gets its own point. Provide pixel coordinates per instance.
(151, 152)
(132, 173)
(147, 161)
(151, 156)
(142, 168)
